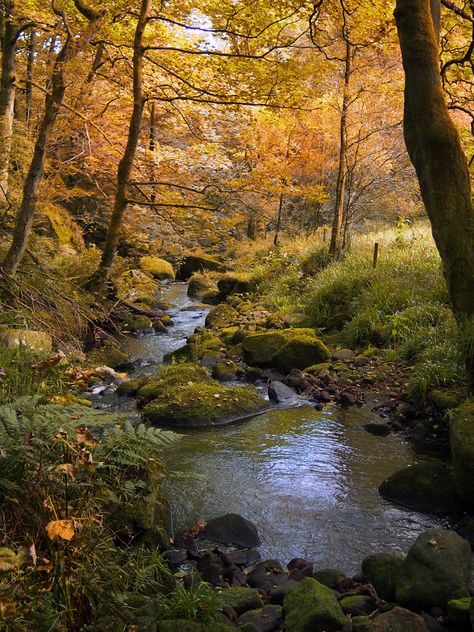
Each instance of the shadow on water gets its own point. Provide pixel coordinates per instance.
(308, 479)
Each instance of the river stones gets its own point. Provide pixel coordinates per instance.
(222, 315)
(299, 353)
(158, 268)
(312, 607)
(242, 599)
(399, 620)
(279, 392)
(266, 619)
(383, 570)
(198, 263)
(425, 487)
(436, 570)
(231, 528)
(259, 349)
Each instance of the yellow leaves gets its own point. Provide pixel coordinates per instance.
(67, 469)
(84, 435)
(8, 560)
(63, 529)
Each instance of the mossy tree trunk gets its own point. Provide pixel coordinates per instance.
(7, 102)
(125, 167)
(435, 150)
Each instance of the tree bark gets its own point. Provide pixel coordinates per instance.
(435, 150)
(125, 166)
(29, 78)
(7, 102)
(338, 222)
(276, 239)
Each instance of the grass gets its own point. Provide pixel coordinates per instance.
(402, 305)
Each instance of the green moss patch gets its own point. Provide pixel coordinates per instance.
(259, 349)
(158, 268)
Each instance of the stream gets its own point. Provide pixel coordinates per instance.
(307, 479)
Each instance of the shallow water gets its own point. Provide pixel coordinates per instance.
(308, 479)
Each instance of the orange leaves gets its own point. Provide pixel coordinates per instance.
(63, 529)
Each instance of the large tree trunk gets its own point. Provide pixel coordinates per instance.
(435, 150)
(125, 166)
(7, 102)
(338, 222)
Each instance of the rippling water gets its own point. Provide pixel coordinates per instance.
(308, 479)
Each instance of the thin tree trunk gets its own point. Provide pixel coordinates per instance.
(125, 167)
(252, 226)
(7, 103)
(29, 78)
(152, 149)
(435, 150)
(276, 239)
(337, 226)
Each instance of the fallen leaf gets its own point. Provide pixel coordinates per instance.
(63, 529)
(84, 435)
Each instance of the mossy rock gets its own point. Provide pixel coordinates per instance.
(459, 612)
(315, 369)
(136, 286)
(225, 371)
(312, 607)
(462, 451)
(361, 624)
(357, 605)
(171, 378)
(228, 334)
(221, 316)
(199, 284)
(131, 387)
(260, 348)
(137, 322)
(236, 351)
(330, 577)
(201, 405)
(443, 400)
(185, 625)
(158, 268)
(242, 599)
(383, 570)
(110, 356)
(427, 487)
(398, 620)
(190, 352)
(436, 569)
(198, 263)
(36, 341)
(300, 352)
(214, 343)
(211, 297)
(235, 283)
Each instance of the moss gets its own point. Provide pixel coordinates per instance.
(259, 349)
(221, 316)
(214, 343)
(225, 371)
(383, 570)
(198, 405)
(236, 351)
(236, 283)
(443, 400)
(36, 341)
(198, 263)
(171, 378)
(462, 450)
(108, 355)
(242, 599)
(357, 604)
(137, 322)
(131, 387)
(312, 607)
(190, 352)
(137, 287)
(158, 268)
(299, 353)
(199, 284)
(315, 369)
(459, 612)
(228, 334)
(211, 297)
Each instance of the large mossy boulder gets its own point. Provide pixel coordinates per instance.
(399, 620)
(259, 349)
(170, 378)
(242, 599)
(158, 268)
(436, 570)
(312, 607)
(383, 570)
(231, 528)
(198, 263)
(35, 341)
(427, 487)
(462, 451)
(221, 316)
(199, 405)
(136, 286)
(299, 353)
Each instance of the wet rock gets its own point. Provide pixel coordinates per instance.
(295, 379)
(242, 599)
(347, 399)
(311, 606)
(225, 371)
(299, 564)
(357, 604)
(398, 620)
(279, 593)
(330, 577)
(436, 570)
(324, 396)
(253, 373)
(383, 570)
(231, 529)
(432, 624)
(266, 619)
(266, 575)
(425, 487)
(361, 624)
(175, 557)
(279, 392)
(380, 430)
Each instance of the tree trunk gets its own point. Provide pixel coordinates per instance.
(29, 79)
(125, 167)
(252, 226)
(26, 214)
(276, 239)
(435, 150)
(337, 226)
(7, 103)
(152, 150)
